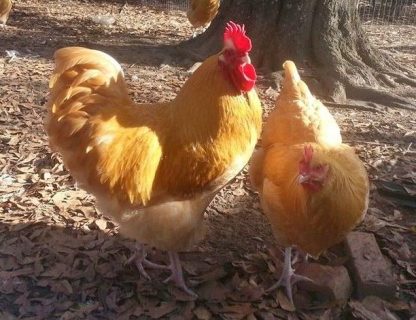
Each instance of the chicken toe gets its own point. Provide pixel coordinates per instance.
(140, 260)
(288, 277)
(177, 275)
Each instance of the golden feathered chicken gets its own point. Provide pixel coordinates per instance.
(313, 188)
(5, 8)
(154, 168)
(201, 12)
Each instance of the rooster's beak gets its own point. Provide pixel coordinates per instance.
(246, 59)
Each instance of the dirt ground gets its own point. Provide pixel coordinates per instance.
(59, 259)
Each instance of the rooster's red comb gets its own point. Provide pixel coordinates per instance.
(235, 36)
(308, 153)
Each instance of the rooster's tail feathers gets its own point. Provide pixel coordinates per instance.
(81, 71)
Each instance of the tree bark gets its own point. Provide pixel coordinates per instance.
(324, 36)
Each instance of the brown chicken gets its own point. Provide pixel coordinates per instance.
(5, 8)
(202, 12)
(154, 168)
(313, 188)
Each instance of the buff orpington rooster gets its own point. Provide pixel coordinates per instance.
(154, 168)
(5, 8)
(201, 12)
(313, 188)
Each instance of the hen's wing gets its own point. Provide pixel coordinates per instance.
(256, 169)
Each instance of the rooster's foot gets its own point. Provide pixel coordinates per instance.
(288, 277)
(140, 260)
(300, 257)
(177, 275)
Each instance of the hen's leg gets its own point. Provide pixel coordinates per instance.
(177, 275)
(140, 260)
(288, 277)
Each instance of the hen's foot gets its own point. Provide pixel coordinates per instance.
(288, 277)
(139, 258)
(177, 275)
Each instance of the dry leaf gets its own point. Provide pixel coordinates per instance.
(101, 223)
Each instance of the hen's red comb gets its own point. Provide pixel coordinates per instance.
(237, 35)
(307, 153)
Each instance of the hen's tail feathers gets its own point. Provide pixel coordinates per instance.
(291, 72)
(293, 83)
(81, 73)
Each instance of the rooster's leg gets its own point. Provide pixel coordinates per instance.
(288, 277)
(140, 260)
(177, 274)
(300, 257)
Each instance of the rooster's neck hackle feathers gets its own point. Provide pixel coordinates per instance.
(208, 110)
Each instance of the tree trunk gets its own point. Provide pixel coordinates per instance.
(324, 36)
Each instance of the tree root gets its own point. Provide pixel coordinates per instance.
(378, 96)
(351, 106)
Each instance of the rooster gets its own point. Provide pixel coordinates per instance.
(201, 12)
(154, 168)
(313, 188)
(5, 7)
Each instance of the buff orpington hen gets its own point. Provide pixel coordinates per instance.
(313, 188)
(201, 12)
(154, 168)
(5, 8)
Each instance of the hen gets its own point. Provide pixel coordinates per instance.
(5, 7)
(154, 168)
(201, 12)
(313, 188)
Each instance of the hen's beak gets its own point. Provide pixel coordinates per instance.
(303, 178)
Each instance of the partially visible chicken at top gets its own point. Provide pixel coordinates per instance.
(201, 12)
(154, 168)
(5, 8)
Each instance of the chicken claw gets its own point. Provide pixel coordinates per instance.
(288, 277)
(141, 261)
(177, 275)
